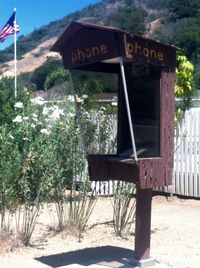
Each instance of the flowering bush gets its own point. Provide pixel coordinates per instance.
(42, 155)
(40, 150)
(7, 111)
(48, 138)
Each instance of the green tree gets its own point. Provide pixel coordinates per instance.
(56, 77)
(184, 89)
(189, 39)
(155, 4)
(129, 19)
(40, 74)
(184, 8)
(93, 83)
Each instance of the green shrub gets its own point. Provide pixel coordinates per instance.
(7, 99)
(40, 74)
(55, 77)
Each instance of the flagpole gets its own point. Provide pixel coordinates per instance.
(15, 57)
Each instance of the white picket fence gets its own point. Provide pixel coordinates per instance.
(186, 173)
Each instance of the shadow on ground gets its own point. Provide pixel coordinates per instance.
(106, 256)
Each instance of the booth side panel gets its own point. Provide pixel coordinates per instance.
(157, 172)
(167, 123)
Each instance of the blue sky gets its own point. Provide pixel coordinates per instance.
(31, 14)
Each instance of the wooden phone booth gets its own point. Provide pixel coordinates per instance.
(146, 78)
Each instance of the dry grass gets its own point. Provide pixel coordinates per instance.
(9, 243)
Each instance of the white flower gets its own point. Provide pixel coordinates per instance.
(26, 118)
(70, 114)
(18, 104)
(18, 119)
(33, 125)
(11, 136)
(56, 114)
(70, 98)
(45, 111)
(86, 114)
(0, 137)
(102, 108)
(45, 131)
(114, 103)
(34, 117)
(25, 139)
(38, 101)
(51, 108)
(55, 107)
(78, 100)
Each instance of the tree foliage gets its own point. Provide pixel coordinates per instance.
(40, 74)
(129, 19)
(158, 4)
(184, 8)
(184, 74)
(87, 83)
(184, 83)
(57, 76)
(189, 39)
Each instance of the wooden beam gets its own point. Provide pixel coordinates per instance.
(143, 224)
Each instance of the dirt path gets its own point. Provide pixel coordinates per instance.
(175, 239)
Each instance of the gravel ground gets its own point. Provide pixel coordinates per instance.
(175, 239)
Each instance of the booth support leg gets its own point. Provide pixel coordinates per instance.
(143, 227)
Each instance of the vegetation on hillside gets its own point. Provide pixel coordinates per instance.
(184, 8)
(130, 19)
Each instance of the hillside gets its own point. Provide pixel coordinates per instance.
(175, 22)
(33, 49)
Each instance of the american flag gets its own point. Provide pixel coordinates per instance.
(10, 28)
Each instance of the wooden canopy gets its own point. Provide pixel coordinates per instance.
(82, 44)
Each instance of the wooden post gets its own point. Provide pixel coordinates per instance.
(143, 224)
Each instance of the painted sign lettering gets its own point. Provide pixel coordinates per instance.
(149, 53)
(88, 53)
(103, 47)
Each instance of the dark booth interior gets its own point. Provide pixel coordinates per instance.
(143, 84)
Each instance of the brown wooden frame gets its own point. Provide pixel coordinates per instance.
(97, 48)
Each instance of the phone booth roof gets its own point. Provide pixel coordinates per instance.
(89, 46)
